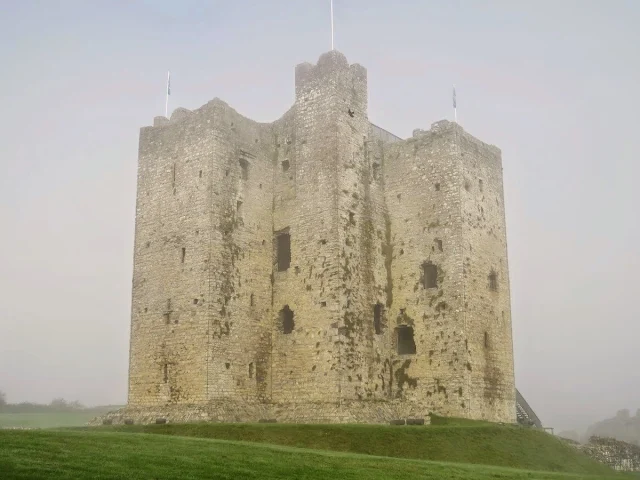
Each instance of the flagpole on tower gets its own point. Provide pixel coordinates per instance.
(455, 109)
(166, 104)
(331, 24)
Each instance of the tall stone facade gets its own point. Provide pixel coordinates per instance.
(318, 268)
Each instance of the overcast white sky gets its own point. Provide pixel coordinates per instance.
(555, 84)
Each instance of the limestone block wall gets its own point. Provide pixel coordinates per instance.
(423, 198)
(487, 307)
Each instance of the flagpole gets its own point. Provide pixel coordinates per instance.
(455, 106)
(166, 103)
(331, 24)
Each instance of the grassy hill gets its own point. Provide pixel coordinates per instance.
(447, 449)
(450, 441)
(103, 454)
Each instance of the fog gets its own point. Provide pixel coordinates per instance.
(553, 84)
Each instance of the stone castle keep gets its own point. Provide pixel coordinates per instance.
(318, 268)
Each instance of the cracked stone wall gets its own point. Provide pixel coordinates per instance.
(367, 215)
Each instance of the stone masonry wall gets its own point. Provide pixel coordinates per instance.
(368, 216)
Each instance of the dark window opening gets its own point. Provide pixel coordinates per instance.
(486, 340)
(352, 218)
(323, 304)
(429, 275)
(377, 318)
(286, 318)
(439, 243)
(493, 281)
(437, 187)
(406, 344)
(252, 300)
(173, 176)
(167, 312)
(244, 169)
(165, 373)
(184, 254)
(480, 184)
(200, 174)
(285, 166)
(283, 251)
(226, 173)
(251, 370)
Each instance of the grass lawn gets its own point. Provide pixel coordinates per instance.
(466, 442)
(107, 454)
(45, 420)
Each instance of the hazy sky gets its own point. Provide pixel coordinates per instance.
(555, 84)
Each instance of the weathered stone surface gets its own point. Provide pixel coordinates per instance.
(618, 455)
(414, 226)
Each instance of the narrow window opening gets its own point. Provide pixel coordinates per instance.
(244, 169)
(493, 281)
(239, 208)
(286, 319)
(437, 187)
(486, 340)
(377, 318)
(467, 185)
(439, 243)
(252, 300)
(167, 312)
(480, 184)
(323, 304)
(184, 254)
(352, 218)
(226, 172)
(285, 166)
(283, 251)
(251, 370)
(165, 373)
(406, 344)
(200, 174)
(173, 176)
(429, 275)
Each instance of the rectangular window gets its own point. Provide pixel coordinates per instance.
(406, 343)
(283, 250)
(377, 318)
(165, 373)
(244, 169)
(493, 281)
(429, 275)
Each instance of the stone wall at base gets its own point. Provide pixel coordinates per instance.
(231, 411)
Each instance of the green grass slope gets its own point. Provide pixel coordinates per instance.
(44, 420)
(73, 454)
(465, 442)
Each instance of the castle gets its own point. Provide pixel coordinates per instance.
(318, 268)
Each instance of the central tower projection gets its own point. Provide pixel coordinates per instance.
(318, 268)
